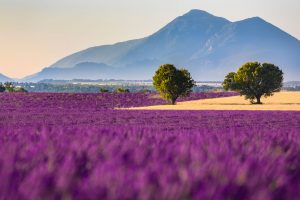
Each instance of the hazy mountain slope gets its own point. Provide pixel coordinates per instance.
(102, 54)
(4, 78)
(86, 70)
(177, 40)
(249, 40)
(207, 45)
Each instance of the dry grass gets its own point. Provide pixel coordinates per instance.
(280, 101)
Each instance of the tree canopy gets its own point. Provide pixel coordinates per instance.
(20, 89)
(254, 80)
(122, 90)
(172, 83)
(2, 88)
(9, 87)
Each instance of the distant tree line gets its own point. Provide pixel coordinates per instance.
(295, 88)
(84, 88)
(93, 88)
(118, 90)
(10, 87)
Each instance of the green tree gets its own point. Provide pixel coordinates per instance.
(254, 80)
(2, 88)
(9, 87)
(122, 90)
(145, 90)
(228, 83)
(172, 83)
(20, 89)
(102, 90)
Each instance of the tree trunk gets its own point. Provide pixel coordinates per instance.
(173, 101)
(258, 100)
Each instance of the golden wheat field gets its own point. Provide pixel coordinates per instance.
(279, 101)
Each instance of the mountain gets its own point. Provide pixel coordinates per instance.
(208, 46)
(4, 78)
(83, 70)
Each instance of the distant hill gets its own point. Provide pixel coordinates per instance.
(4, 78)
(84, 70)
(207, 45)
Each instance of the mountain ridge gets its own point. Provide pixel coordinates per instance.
(207, 45)
(4, 78)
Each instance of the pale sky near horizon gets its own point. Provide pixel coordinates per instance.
(36, 33)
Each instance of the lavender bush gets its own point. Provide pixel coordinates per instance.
(71, 146)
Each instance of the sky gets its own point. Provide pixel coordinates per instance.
(36, 33)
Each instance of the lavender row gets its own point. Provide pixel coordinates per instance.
(90, 101)
(154, 155)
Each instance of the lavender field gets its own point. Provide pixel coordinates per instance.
(77, 146)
